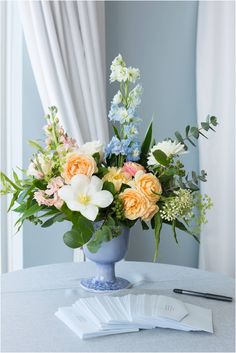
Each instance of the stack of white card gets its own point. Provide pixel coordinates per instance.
(107, 315)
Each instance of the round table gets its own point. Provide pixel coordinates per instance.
(31, 296)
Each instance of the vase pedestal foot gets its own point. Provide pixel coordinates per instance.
(95, 285)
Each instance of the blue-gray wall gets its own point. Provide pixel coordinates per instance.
(159, 38)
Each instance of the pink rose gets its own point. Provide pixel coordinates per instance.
(132, 168)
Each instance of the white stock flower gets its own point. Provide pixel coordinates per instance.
(91, 148)
(118, 61)
(119, 73)
(170, 148)
(133, 74)
(117, 98)
(85, 195)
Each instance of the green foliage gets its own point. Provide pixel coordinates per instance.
(161, 157)
(144, 225)
(108, 230)
(109, 186)
(157, 233)
(80, 233)
(116, 132)
(146, 145)
(118, 209)
(195, 132)
(36, 145)
(192, 184)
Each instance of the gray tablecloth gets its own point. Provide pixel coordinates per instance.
(30, 298)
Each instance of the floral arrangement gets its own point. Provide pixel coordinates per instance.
(118, 184)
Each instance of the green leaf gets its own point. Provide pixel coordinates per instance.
(195, 132)
(16, 178)
(103, 234)
(182, 227)
(195, 178)
(72, 239)
(5, 178)
(85, 227)
(116, 132)
(205, 126)
(174, 231)
(123, 187)
(13, 200)
(157, 232)
(213, 120)
(80, 234)
(96, 156)
(179, 137)
(192, 186)
(30, 211)
(187, 130)
(39, 184)
(144, 225)
(147, 140)
(56, 218)
(161, 157)
(109, 186)
(36, 145)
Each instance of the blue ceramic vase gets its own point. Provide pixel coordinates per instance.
(105, 258)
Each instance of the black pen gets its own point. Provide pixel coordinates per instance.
(203, 295)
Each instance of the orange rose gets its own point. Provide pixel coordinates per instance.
(150, 212)
(135, 203)
(79, 164)
(149, 185)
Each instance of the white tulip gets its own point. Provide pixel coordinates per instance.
(85, 195)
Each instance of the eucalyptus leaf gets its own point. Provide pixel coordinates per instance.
(73, 239)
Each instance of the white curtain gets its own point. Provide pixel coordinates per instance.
(10, 128)
(66, 45)
(215, 96)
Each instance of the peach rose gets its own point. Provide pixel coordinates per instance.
(132, 168)
(135, 203)
(149, 185)
(150, 212)
(79, 164)
(117, 176)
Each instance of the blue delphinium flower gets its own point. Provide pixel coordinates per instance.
(130, 130)
(116, 147)
(133, 151)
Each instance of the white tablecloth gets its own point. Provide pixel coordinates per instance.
(30, 298)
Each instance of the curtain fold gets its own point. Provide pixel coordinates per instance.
(66, 43)
(215, 95)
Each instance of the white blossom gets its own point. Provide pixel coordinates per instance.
(85, 195)
(91, 148)
(170, 148)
